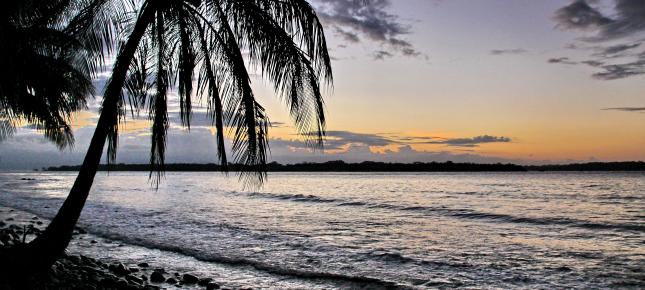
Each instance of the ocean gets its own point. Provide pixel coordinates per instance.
(372, 230)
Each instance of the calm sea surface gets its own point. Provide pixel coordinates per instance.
(343, 230)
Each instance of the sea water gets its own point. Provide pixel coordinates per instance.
(375, 230)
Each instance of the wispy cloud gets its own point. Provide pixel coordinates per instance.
(562, 60)
(615, 50)
(626, 109)
(621, 70)
(511, 51)
(475, 141)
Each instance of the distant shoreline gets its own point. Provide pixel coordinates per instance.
(368, 166)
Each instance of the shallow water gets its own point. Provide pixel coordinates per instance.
(340, 230)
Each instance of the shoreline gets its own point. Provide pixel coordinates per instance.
(84, 268)
(77, 271)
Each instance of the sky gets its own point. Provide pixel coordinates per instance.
(522, 81)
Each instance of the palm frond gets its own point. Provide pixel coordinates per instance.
(285, 64)
(207, 83)
(158, 110)
(244, 117)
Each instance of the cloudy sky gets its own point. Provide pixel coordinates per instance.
(420, 80)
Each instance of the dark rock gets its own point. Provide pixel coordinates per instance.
(144, 277)
(151, 287)
(122, 284)
(171, 281)
(204, 281)
(189, 279)
(9, 219)
(564, 269)
(108, 282)
(134, 269)
(134, 279)
(143, 265)
(74, 259)
(157, 277)
(121, 270)
(39, 223)
(212, 286)
(88, 269)
(160, 270)
(93, 241)
(34, 218)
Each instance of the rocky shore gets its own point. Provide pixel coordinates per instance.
(81, 272)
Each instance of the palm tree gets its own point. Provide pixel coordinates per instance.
(216, 42)
(44, 75)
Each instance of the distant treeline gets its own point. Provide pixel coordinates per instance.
(369, 166)
(591, 166)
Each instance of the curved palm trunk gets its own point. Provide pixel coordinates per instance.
(42, 252)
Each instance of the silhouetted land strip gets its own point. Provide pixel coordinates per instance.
(368, 166)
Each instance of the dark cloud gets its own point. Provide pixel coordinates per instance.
(626, 109)
(354, 20)
(468, 142)
(628, 19)
(625, 22)
(593, 63)
(381, 55)
(615, 50)
(561, 60)
(609, 71)
(339, 139)
(580, 15)
(621, 71)
(348, 35)
(508, 51)
(477, 140)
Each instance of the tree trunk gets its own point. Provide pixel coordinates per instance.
(42, 252)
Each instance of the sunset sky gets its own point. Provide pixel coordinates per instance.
(420, 80)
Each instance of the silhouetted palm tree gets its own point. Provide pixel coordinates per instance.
(44, 75)
(215, 41)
